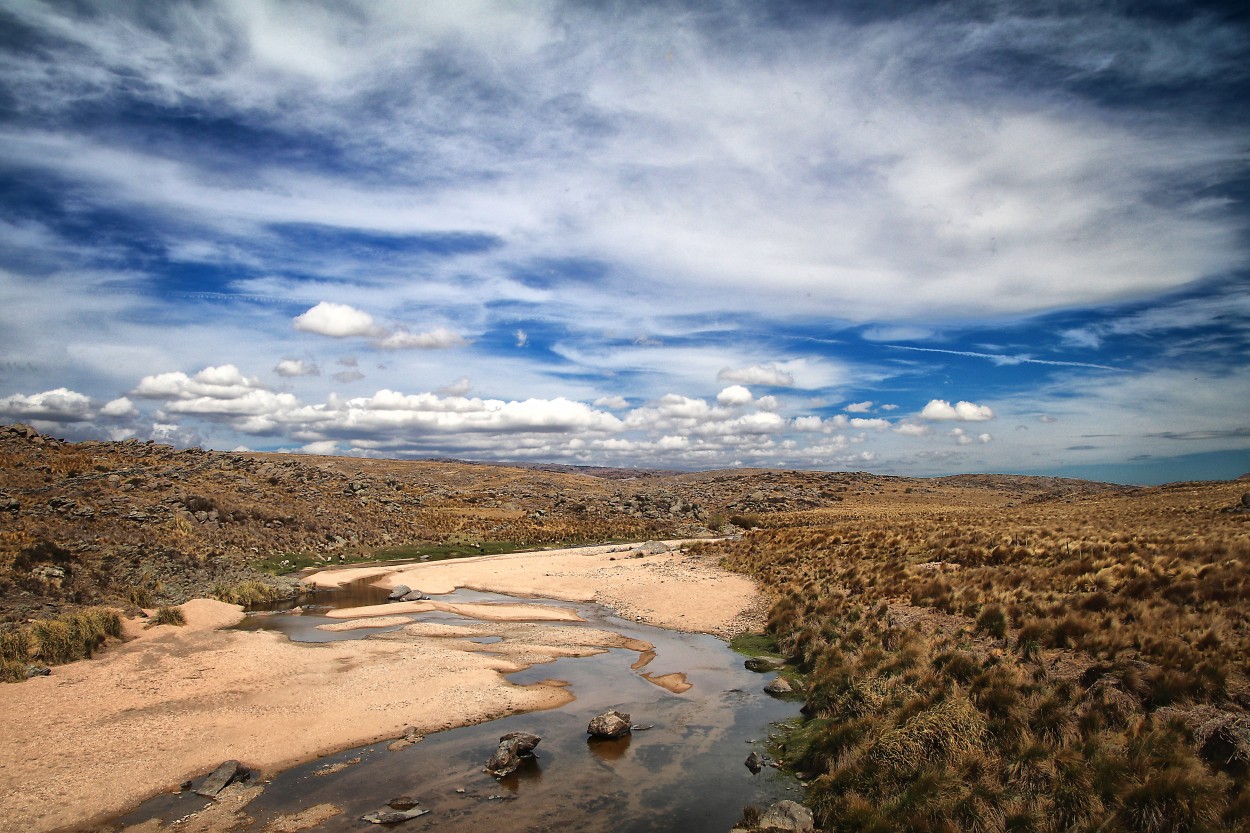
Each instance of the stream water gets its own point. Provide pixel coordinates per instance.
(685, 773)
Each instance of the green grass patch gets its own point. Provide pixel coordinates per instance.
(755, 645)
(442, 552)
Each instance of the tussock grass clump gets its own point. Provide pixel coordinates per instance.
(167, 615)
(246, 593)
(69, 637)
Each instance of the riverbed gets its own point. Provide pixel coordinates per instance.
(698, 715)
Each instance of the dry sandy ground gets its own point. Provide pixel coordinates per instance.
(100, 736)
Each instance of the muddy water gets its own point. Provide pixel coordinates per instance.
(684, 773)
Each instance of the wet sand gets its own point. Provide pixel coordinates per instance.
(99, 736)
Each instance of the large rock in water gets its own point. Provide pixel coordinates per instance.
(610, 724)
(514, 749)
(787, 817)
(398, 592)
(779, 687)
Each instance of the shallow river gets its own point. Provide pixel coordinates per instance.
(685, 773)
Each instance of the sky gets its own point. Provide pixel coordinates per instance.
(900, 237)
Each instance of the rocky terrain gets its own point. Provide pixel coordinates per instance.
(142, 523)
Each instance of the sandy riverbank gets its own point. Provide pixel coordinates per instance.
(100, 736)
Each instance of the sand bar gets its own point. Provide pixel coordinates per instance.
(97, 737)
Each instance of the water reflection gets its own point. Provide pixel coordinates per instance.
(686, 773)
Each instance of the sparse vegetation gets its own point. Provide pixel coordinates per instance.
(69, 637)
(1047, 668)
(167, 615)
(246, 593)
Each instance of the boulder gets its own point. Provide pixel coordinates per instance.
(787, 817)
(610, 724)
(756, 762)
(514, 749)
(779, 686)
(220, 778)
(413, 596)
(764, 664)
(399, 591)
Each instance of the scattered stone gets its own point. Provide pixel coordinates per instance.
(410, 736)
(610, 724)
(764, 664)
(779, 687)
(787, 817)
(514, 749)
(389, 816)
(755, 762)
(185, 785)
(220, 778)
(399, 592)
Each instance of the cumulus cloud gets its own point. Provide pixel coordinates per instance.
(808, 423)
(440, 338)
(734, 395)
(912, 429)
(522, 338)
(59, 405)
(757, 374)
(612, 402)
(941, 410)
(120, 408)
(222, 382)
(296, 367)
(870, 424)
(336, 320)
(858, 407)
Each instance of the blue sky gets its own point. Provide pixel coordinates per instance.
(905, 238)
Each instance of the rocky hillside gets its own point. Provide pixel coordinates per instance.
(91, 522)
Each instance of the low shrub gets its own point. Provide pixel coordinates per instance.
(167, 615)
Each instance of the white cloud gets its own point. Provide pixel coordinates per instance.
(940, 409)
(757, 374)
(522, 338)
(120, 408)
(457, 388)
(612, 402)
(296, 367)
(912, 429)
(336, 320)
(322, 447)
(59, 405)
(870, 424)
(808, 423)
(858, 407)
(734, 395)
(223, 382)
(440, 338)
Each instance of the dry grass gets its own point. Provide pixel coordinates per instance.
(1076, 663)
(69, 637)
